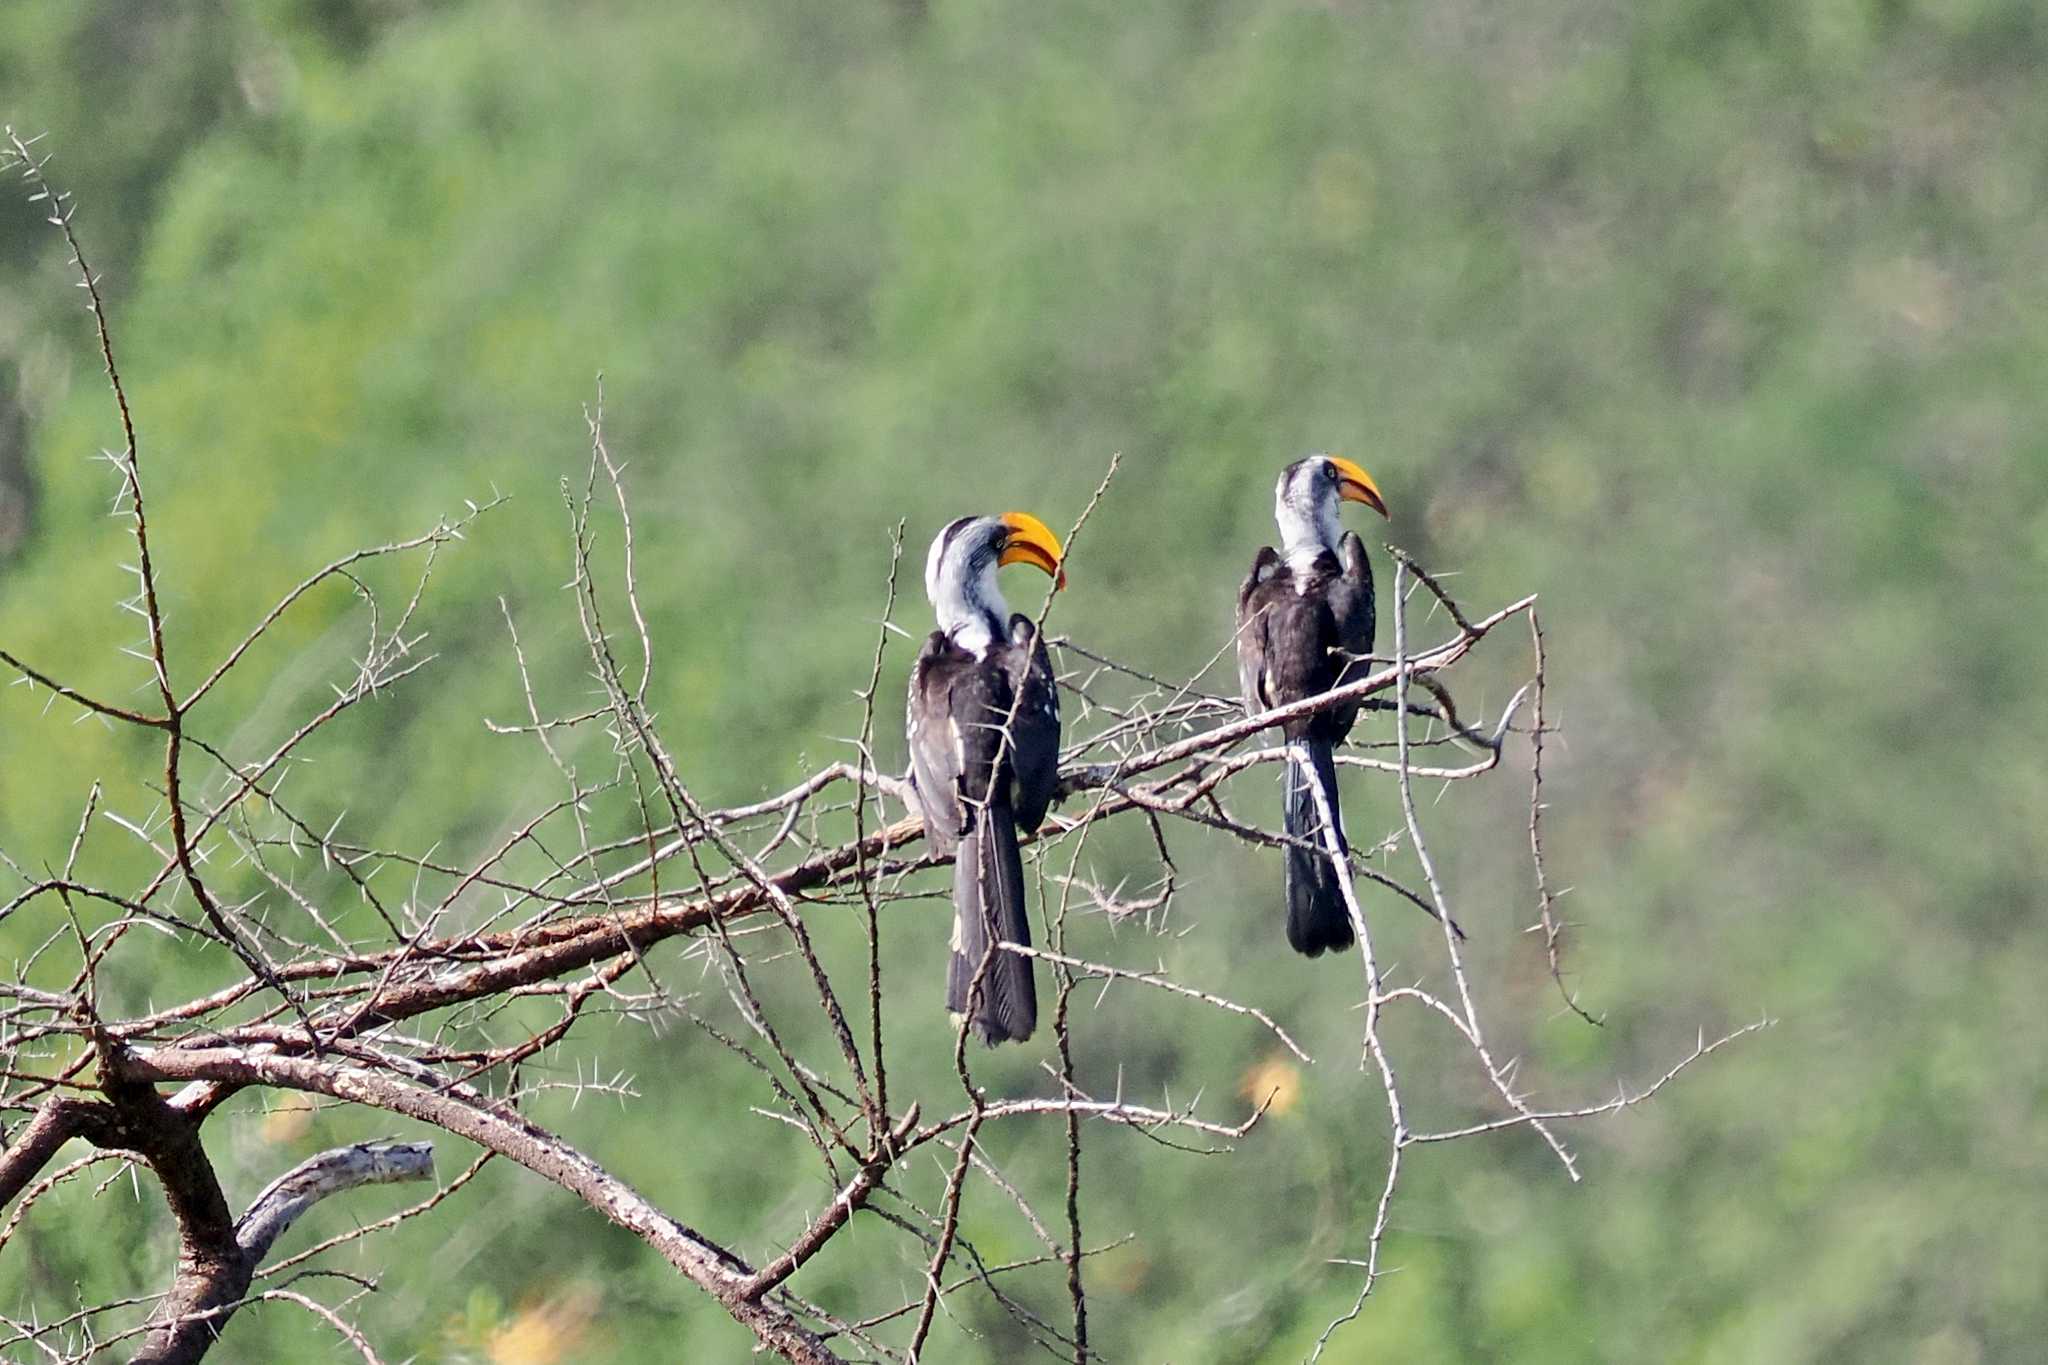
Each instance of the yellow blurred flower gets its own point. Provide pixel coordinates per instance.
(546, 1332)
(287, 1123)
(1276, 1079)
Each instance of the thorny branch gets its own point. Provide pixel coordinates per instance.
(439, 996)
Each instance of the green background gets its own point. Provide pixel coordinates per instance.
(1719, 324)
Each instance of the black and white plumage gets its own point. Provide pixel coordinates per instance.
(1305, 624)
(981, 670)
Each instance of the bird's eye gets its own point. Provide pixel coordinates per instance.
(1329, 472)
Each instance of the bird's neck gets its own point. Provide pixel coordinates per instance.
(972, 612)
(1305, 533)
(1304, 537)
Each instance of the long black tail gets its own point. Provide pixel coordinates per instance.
(1316, 917)
(988, 899)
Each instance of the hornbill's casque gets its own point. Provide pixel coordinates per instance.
(1304, 625)
(977, 788)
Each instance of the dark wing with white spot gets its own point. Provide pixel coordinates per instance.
(1352, 609)
(935, 756)
(1251, 630)
(1292, 640)
(1035, 747)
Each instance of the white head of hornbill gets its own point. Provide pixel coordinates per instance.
(1304, 625)
(984, 728)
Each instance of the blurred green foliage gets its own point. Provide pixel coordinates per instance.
(1719, 323)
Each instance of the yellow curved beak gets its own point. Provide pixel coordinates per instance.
(1032, 542)
(1355, 485)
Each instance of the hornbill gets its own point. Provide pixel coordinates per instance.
(1304, 625)
(984, 729)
